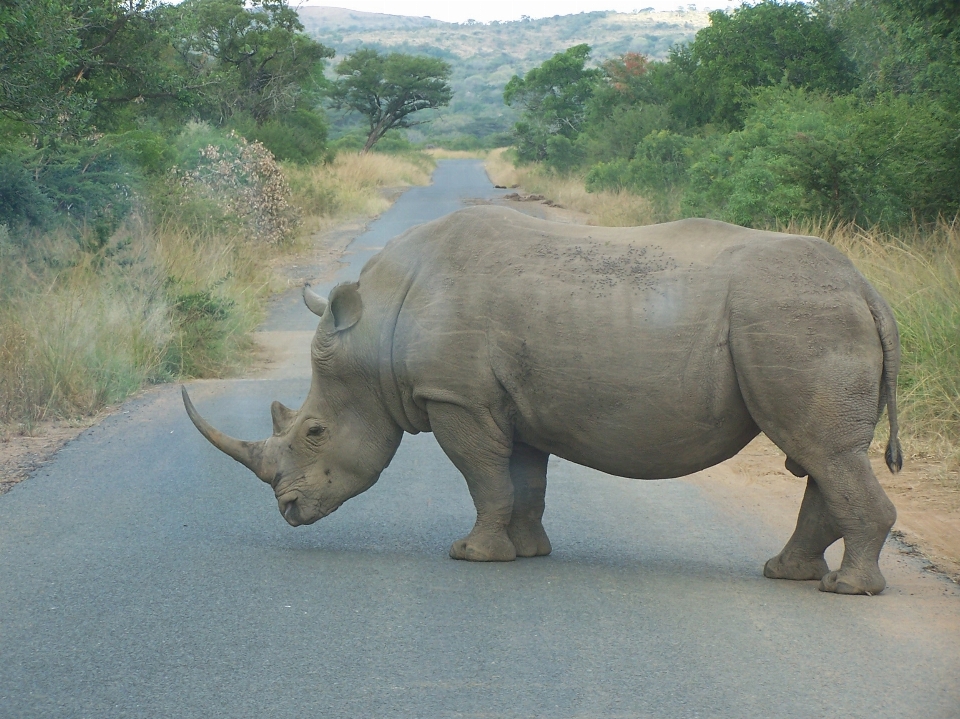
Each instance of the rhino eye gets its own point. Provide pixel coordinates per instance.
(315, 431)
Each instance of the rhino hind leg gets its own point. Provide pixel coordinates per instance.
(823, 416)
(802, 557)
(843, 499)
(482, 454)
(864, 514)
(528, 471)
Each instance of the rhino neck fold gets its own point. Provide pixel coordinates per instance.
(390, 391)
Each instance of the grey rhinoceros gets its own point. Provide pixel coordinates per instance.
(644, 352)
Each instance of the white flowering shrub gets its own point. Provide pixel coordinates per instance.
(246, 181)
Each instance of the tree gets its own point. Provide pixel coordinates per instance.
(69, 68)
(37, 44)
(553, 98)
(388, 89)
(755, 46)
(253, 59)
(901, 46)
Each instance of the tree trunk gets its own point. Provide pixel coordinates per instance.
(371, 141)
(379, 130)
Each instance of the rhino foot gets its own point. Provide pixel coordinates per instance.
(848, 581)
(488, 546)
(529, 537)
(784, 566)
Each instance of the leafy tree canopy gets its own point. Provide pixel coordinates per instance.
(901, 46)
(249, 58)
(388, 89)
(755, 46)
(553, 98)
(69, 67)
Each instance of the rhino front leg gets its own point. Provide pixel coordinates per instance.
(528, 470)
(482, 454)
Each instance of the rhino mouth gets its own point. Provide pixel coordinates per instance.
(292, 511)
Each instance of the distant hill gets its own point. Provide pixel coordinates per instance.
(484, 56)
(330, 19)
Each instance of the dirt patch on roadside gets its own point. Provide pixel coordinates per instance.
(22, 452)
(320, 260)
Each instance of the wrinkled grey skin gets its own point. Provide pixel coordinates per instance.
(644, 352)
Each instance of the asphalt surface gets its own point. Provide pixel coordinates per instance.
(144, 574)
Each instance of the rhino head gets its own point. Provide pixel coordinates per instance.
(337, 444)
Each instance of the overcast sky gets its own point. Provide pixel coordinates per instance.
(454, 11)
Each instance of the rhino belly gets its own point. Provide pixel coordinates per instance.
(642, 406)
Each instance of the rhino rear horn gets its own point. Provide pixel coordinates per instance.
(313, 301)
(282, 417)
(249, 454)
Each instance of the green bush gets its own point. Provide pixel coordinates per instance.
(206, 339)
(563, 154)
(804, 155)
(22, 201)
(351, 142)
(394, 144)
(616, 131)
(299, 137)
(85, 186)
(659, 165)
(149, 151)
(614, 175)
(90, 185)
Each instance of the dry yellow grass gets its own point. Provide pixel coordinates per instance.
(611, 209)
(352, 185)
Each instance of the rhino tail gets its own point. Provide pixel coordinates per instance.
(890, 342)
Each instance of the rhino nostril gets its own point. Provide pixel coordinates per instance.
(289, 509)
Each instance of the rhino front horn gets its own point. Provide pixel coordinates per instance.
(313, 301)
(249, 454)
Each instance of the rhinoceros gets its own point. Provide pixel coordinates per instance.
(643, 352)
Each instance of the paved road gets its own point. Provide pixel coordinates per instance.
(143, 574)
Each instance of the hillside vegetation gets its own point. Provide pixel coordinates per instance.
(484, 56)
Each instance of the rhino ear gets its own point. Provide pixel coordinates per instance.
(282, 417)
(313, 301)
(346, 306)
